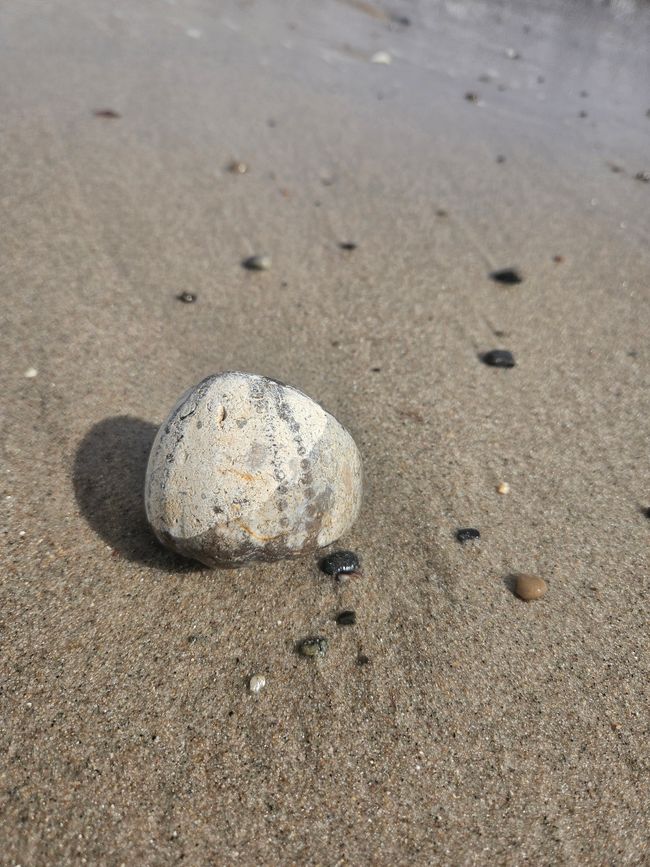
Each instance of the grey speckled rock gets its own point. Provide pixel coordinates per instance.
(247, 468)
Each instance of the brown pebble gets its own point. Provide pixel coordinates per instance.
(503, 488)
(529, 587)
(237, 167)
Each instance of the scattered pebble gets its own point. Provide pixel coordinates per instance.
(404, 20)
(187, 297)
(529, 587)
(256, 683)
(340, 563)
(467, 534)
(346, 618)
(501, 158)
(470, 96)
(503, 488)
(513, 54)
(498, 358)
(642, 176)
(362, 659)
(312, 647)
(647, 512)
(507, 276)
(31, 372)
(260, 262)
(558, 259)
(107, 113)
(442, 213)
(614, 167)
(381, 57)
(582, 114)
(237, 167)
(583, 93)
(375, 369)
(348, 245)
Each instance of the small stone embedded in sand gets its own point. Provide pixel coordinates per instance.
(237, 167)
(507, 276)
(256, 683)
(530, 587)
(107, 113)
(346, 618)
(312, 647)
(381, 57)
(468, 534)
(498, 358)
(187, 297)
(503, 488)
(470, 96)
(340, 563)
(500, 158)
(30, 373)
(246, 468)
(259, 262)
(644, 177)
(348, 245)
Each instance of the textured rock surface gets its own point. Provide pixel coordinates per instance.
(247, 468)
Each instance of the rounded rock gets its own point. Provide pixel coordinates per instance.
(246, 468)
(530, 587)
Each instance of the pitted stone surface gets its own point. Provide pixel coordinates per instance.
(246, 468)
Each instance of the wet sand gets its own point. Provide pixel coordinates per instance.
(482, 729)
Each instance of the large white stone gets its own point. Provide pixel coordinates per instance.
(246, 468)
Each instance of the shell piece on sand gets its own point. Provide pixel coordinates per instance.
(246, 468)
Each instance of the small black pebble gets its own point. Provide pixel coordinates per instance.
(187, 297)
(498, 358)
(362, 659)
(108, 113)
(346, 618)
(441, 213)
(508, 276)
(647, 512)
(501, 158)
(340, 563)
(348, 245)
(401, 19)
(467, 534)
(583, 114)
(375, 369)
(470, 96)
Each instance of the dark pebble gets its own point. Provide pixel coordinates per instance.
(647, 512)
(376, 369)
(470, 96)
(642, 176)
(346, 618)
(467, 534)
(187, 297)
(401, 19)
(498, 358)
(441, 213)
(583, 114)
(507, 276)
(501, 158)
(362, 659)
(311, 647)
(558, 259)
(108, 113)
(340, 563)
(259, 262)
(348, 245)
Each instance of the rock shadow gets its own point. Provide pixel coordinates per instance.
(108, 477)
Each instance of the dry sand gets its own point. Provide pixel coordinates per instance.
(483, 730)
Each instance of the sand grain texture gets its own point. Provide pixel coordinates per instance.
(480, 730)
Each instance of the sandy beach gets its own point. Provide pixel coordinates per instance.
(453, 724)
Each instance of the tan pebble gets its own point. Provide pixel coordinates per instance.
(503, 488)
(237, 167)
(529, 587)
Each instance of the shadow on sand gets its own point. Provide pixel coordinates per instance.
(108, 477)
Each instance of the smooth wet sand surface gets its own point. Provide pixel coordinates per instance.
(483, 729)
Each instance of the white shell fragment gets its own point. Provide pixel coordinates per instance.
(256, 683)
(246, 468)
